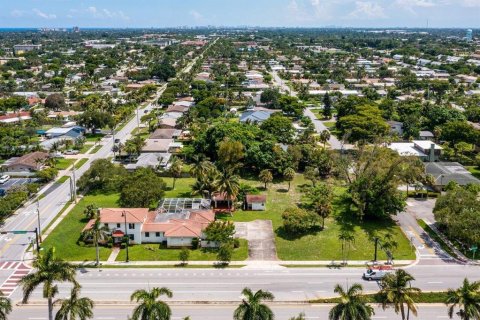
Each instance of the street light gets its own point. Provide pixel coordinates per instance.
(124, 215)
(38, 220)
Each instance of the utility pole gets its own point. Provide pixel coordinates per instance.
(38, 220)
(376, 245)
(127, 238)
(138, 118)
(74, 185)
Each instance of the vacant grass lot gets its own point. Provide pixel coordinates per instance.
(323, 244)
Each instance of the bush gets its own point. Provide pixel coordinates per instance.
(195, 243)
(183, 255)
(47, 174)
(299, 221)
(224, 254)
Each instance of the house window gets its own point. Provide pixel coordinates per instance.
(132, 238)
(106, 225)
(147, 234)
(131, 226)
(157, 234)
(118, 225)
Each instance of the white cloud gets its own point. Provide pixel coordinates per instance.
(196, 15)
(416, 3)
(44, 15)
(367, 10)
(471, 3)
(106, 14)
(17, 13)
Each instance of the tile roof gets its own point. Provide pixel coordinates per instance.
(114, 215)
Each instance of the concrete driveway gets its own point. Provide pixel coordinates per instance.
(261, 239)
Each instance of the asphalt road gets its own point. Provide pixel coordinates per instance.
(220, 312)
(288, 284)
(16, 182)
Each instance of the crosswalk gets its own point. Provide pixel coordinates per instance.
(20, 270)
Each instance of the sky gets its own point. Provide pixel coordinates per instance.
(264, 13)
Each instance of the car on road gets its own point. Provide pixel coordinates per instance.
(56, 154)
(116, 141)
(71, 152)
(375, 274)
(4, 178)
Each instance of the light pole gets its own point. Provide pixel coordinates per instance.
(38, 220)
(127, 238)
(74, 185)
(376, 245)
(138, 118)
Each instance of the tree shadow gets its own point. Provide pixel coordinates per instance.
(282, 190)
(282, 233)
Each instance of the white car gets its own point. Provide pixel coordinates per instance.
(71, 152)
(4, 179)
(375, 274)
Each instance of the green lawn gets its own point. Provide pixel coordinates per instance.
(329, 124)
(153, 252)
(182, 189)
(321, 245)
(93, 137)
(475, 171)
(67, 233)
(80, 163)
(62, 163)
(96, 148)
(86, 147)
(62, 179)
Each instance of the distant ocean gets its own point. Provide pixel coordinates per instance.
(17, 29)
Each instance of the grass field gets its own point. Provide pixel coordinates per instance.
(86, 147)
(62, 179)
(329, 124)
(62, 163)
(64, 238)
(324, 244)
(153, 252)
(423, 297)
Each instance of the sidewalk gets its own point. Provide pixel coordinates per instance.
(245, 263)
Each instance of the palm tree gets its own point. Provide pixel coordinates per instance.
(5, 307)
(98, 232)
(347, 237)
(49, 270)
(229, 184)
(150, 306)
(74, 307)
(324, 137)
(352, 305)
(252, 307)
(289, 175)
(175, 170)
(266, 177)
(466, 298)
(397, 290)
(200, 167)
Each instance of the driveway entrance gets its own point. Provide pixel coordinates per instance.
(261, 239)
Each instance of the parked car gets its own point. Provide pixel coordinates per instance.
(375, 274)
(57, 154)
(4, 179)
(72, 152)
(116, 141)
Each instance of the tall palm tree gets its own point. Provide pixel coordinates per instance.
(74, 307)
(98, 232)
(48, 271)
(289, 175)
(352, 305)
(397, 290)
(347, 237)
(150, 306)
(229, 184)
(252, 307)
(324, 137)
(466, 298)
(200, 167)
(175, 170)
(5, 307)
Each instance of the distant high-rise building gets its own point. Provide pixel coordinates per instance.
(469, 36)
(76, 29)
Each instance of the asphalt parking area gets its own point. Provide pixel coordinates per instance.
(16, 182)
(261, 239)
